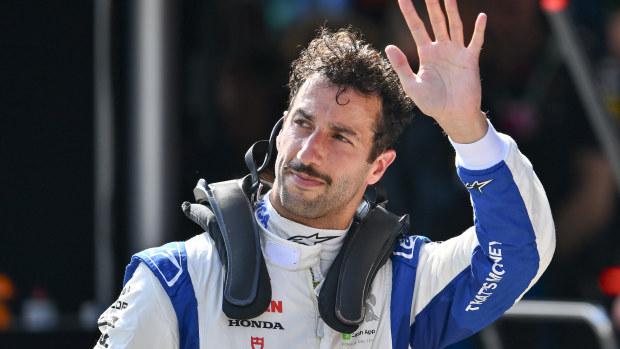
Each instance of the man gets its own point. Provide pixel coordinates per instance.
(346, 110)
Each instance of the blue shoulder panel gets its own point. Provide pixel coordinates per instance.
(404, 264)
(169, 264)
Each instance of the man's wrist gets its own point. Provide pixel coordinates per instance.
(468, 129)
(484, 153)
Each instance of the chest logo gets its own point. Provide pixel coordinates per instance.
(310, 240)
(255, 324)
(257, 342)
(275, 307)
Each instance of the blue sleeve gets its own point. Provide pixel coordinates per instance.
(464, 284)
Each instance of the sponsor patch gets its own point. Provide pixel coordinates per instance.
(255, 324)
(119, 305)
(275, 307)
(261, 213)
(495, 276)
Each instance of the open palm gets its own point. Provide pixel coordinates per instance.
(447, 84)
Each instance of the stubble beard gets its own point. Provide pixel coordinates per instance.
(334, 197)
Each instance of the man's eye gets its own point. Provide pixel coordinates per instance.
(342, 139)
(301, 122)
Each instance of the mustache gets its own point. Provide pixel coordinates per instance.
(308, 170)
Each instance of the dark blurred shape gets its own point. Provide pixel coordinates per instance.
(46, 148)
(7, 293)
(39, 312)
(7, 288)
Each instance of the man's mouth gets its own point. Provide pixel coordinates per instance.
(304, 180)
(307, 175)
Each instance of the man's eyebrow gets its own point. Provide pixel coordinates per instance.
(305, 114)
(345, 130)
(338, 128)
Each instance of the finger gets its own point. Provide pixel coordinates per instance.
(400, 64)
(454, 21)
(415, 24)
(438, 20)
(478, 38)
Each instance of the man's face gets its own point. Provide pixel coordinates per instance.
(322, 169)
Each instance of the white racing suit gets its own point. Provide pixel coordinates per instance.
(428, 295)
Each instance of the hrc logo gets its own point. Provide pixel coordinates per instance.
(257, 342)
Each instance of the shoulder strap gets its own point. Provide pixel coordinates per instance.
(226, 213)
(367, 247)
(169, 264)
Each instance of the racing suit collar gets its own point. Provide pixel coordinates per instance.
(291, 238)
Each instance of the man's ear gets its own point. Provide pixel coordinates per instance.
(379, 166)
(281, 128)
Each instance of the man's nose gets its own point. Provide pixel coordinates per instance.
(313, 149)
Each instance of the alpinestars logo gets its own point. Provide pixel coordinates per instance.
(257, 342)
(478, 185)
(310, 240)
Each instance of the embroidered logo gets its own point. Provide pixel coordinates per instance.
(478, 185)
(310, 240)
(257, 342)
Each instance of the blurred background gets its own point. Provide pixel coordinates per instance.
(111, 110)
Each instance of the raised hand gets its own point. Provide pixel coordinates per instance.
(447, 84)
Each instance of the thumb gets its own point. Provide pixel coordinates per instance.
(401, 66)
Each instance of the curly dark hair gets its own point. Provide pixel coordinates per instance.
(346, 60)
